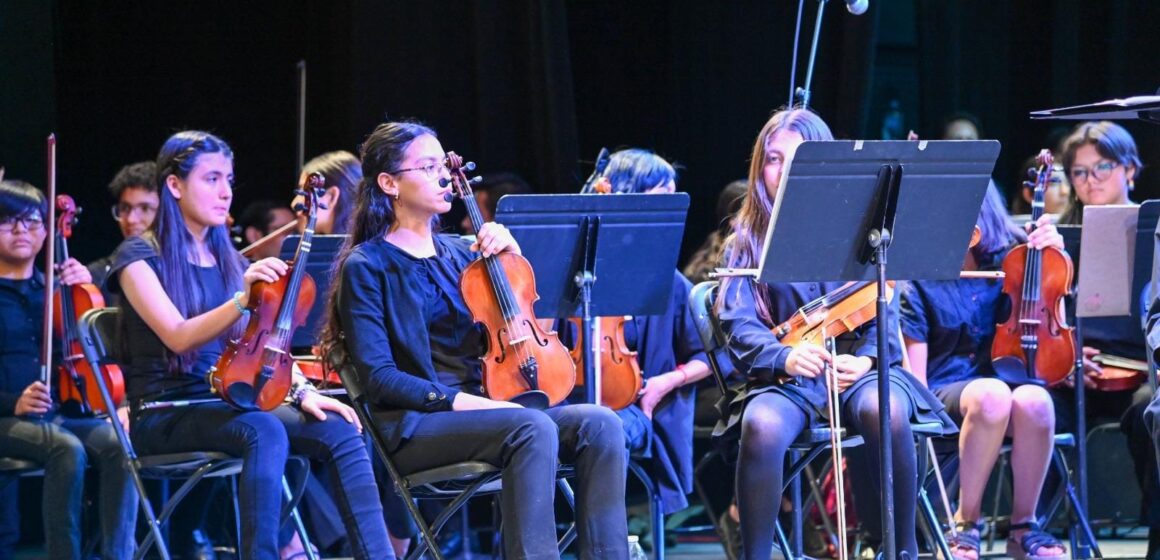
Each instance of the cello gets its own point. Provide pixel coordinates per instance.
(77, 382)
(1035, 342)
(521, 362)
(254, 372)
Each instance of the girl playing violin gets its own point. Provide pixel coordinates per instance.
(398, 311)
(948, 327)
(185, 289)
(659, 425)
(29, 428)
(786, 392)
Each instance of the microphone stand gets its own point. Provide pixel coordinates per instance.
(801, 96)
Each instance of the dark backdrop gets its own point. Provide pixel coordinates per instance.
(538, 87)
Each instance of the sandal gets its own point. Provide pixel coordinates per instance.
(963, 538)
(1028, 546)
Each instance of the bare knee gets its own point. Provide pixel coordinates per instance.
(987, 402)
(1031, 405)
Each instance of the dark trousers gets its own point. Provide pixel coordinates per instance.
(65, 446)
(526, 444)
(263, 440)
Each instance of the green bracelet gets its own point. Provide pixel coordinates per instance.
(237, 299)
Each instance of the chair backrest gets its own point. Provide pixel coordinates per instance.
(701, 306)
(98, 330)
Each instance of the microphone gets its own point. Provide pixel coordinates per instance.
(857, 7)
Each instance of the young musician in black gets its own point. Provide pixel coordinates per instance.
(659, 425)
(30, 427)
(185, 289)
(786, 392)
(398, 311)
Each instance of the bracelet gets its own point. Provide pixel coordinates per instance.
(300, 391)
(684, 374)
(237, 299)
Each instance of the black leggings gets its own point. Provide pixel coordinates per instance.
(771, 422)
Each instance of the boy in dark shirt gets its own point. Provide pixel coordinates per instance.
(30, 427)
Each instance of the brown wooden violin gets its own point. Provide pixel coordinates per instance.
(835, 313)
(1119, 374)
(1035, 342)
(255, 371)
(522, 363)
(77, 381)
(620, 377)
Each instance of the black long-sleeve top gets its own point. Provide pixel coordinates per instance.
(386, 313)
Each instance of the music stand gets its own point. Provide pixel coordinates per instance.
(1140, 107)
(324, 250)
(917, 201)
(598, 256)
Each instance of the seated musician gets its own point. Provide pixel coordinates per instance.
(785, 393)
(31, 427)
(134, 190)
(948, 327)
(398, 311)
(659, 425)
(1102, 162)
(342, 172)
(184, 291)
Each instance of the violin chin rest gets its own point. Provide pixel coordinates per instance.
(537, 400)
(242, 396)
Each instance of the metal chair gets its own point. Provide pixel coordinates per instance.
(97, 331)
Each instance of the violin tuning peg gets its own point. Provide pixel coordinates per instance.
(1032, 172)
(469, 166)
(476, 180)
(444, 182)
(1029, 184)
(300, 192)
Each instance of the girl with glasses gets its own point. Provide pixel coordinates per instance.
(397, 310)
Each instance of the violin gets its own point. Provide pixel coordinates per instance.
(1035, 342)
(835, 313)
(77, 381)
(1119, 374)
(620, 377)
(254, 372)
(521, 362)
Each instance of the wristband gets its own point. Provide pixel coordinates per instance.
(237, 299)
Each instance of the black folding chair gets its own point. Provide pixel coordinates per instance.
(97, 331)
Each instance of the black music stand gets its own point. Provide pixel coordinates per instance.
(324, 250)
(843, 205)
(598, 256)
(1141, 107)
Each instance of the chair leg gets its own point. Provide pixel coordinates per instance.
(299, 527)
(933, 528)
(1080, 526)
(570, 497)
(703, 494)
(796, 497)
(170, 505)
(655, 509)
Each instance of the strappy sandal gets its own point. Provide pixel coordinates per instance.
(1028, 546)
(964, 537)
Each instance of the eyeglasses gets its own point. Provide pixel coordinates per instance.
(431, 171)
(30, 223)
(147, 211)
(1099, 172)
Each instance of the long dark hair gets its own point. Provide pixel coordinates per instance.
(997, 231)
(340, 169)
(374, 211)
(743, 247)
(175, 244)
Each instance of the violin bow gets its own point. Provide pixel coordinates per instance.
(49, 269)
(835, 410)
